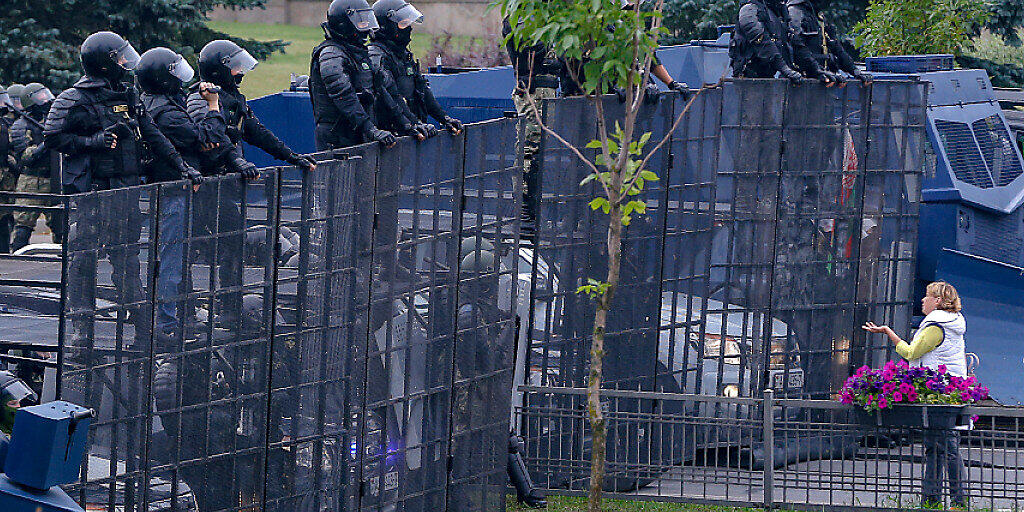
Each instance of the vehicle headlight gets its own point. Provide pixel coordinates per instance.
(714, 348)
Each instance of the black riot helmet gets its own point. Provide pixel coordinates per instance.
(108, 55)
(396, 18)
(161, 71)
(480, 274)
(350, 19)
(36, 98)
(224, 63)
(14, 394)
(14, 94)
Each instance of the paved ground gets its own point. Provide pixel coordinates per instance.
(871, 480)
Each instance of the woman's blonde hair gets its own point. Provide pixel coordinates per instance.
(949, 299)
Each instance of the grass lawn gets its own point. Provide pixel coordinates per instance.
(563, 504)
(274, 74)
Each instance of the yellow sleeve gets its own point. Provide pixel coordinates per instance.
(924, 341)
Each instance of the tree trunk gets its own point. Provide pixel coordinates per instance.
(598, 425)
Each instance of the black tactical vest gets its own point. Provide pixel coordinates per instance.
(356, 63)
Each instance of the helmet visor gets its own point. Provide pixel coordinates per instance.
(126, 56)
(363, 19)
(16, 389)
(182, 71)
(5, 100)
(42, 96)
(406, 16)
(240, 63)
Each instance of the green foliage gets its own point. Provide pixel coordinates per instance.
(687, 20)
(594, 289)
(1007, 16)
(990, 46)
(39, 39)
(607, 39)
(902, 27)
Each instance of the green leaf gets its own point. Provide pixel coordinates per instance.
(594, 144)
(599, 202)
(649, 175)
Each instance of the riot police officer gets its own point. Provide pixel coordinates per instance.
(99, 125)
(224, 64)
(817, 51)
(218, 208)
(14, 394)
(38, 164)
(344, 85)
(389, 50)
(760, 42)
(8, 168)
(162, 76)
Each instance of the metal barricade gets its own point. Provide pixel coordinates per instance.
(332, 340)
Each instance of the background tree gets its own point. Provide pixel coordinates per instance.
(39, 39)
(907, 27)
(608, 48)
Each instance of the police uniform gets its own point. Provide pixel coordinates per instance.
(38, 164)
(815, 43)
(346, 90)
(760, 42)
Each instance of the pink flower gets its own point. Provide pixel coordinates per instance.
(912, 396)
(883, 403)
(897, 397)
(906, 388)
(890, 366)
(941, 368)
(871, 398)
(903, 364)
(888, 375)
(862, 370)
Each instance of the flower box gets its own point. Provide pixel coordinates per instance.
(930, 417)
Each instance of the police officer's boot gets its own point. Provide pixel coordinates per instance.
(21, 237)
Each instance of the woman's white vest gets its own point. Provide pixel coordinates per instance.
(951, 352)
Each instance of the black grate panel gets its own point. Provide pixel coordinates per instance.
(997, 148)
(963, 154)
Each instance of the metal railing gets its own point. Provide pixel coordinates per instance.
(821, 454)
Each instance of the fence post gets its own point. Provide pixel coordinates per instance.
(768, 440)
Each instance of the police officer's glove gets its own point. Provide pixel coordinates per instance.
(652, 94)
(383, 136)
(191, 174)
(862, 76)
(829, 79)
(453, 125)
(427, 129)
(106, 139)
(304, 161)
(793, 77)
(249, 172)
(681, 88)
(414, 130)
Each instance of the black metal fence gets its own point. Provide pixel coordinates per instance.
(334, 340)
(784, 218)
(820, 455)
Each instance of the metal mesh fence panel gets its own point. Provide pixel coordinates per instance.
(784, 219)
(304, 342)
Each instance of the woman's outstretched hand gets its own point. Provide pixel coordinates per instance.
(877, 329)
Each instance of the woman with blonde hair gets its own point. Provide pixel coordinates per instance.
(939, 341)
